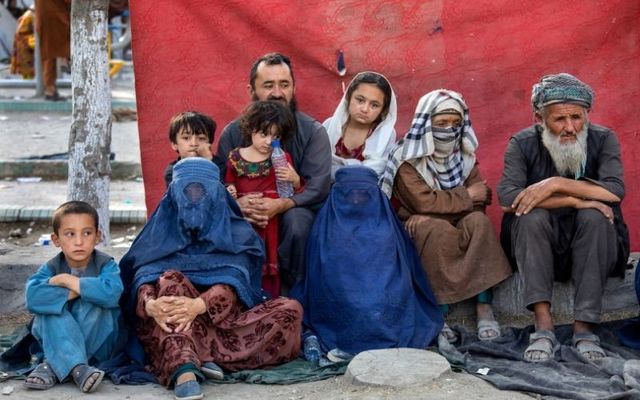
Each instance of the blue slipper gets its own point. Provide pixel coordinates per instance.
(189, 390)
(212, 370)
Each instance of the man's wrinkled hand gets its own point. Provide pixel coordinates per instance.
(253, 208)
(603, 208)
(533, 195)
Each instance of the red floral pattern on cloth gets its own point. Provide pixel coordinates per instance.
(235, 339)
(250, 169)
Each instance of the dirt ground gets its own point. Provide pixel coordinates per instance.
(450, 386)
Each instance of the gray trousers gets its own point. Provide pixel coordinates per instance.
(295, 225)
(593, 253)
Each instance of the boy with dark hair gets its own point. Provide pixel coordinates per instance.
(74, 297)
(191, 134)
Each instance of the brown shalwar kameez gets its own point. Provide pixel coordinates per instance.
(457, 244)
(234, 338)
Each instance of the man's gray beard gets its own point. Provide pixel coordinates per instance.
(569, 157)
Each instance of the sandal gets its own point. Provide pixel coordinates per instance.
(189, 390)
(542, 342)
(337, 355)
(486, 326)
(45, 374)
(211, 370)
(588, 345)
(448, 333)
(82, 373)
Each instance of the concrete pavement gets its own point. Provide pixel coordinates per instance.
(35, 136)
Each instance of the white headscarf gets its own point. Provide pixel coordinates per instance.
(377, 145)
(417, 147)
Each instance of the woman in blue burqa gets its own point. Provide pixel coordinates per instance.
(192, 287)
(364, 286)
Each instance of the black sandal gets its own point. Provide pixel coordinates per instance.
(43, 372)
(81, 374)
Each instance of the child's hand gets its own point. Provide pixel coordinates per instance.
(204, 151)
(67, 281)
(289, 174)
(232, 189)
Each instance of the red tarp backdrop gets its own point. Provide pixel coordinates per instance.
(196, 55)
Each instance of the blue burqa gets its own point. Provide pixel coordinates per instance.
(364, 286)
(197, 229)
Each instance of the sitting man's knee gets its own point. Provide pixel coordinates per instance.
(535, 218)
(591, 217)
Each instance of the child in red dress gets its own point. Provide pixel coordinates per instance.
(249, 171)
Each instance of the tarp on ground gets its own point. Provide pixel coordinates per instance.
(196, 55)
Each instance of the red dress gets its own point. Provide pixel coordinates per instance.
(345, 152)
(251, 177)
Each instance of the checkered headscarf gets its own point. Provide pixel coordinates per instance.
(417, 147)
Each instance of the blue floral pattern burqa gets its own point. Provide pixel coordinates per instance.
(364, 286)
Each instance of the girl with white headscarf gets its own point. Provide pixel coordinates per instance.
(433, 175)
(361, 130)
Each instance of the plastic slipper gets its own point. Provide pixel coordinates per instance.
(43, 372)
(81, 374)
(487, 325)
(212, 370)
(587, 344)
(189, 390)
(337, 355)
(543, 342)
(449, 334)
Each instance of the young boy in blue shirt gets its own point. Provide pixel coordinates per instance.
(74, 297)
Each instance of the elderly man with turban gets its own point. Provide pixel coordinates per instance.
(561, 190)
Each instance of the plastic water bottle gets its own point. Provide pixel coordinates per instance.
(279, 160)
(311, 349)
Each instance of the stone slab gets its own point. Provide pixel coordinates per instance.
(396, 368)
(620, 301)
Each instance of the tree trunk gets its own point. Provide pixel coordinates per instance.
(90, 137)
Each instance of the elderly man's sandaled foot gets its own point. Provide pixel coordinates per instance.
(41, 378)
(542, 346)
(488, 329)
(588, 345)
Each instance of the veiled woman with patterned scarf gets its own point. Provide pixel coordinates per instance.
(433, 176)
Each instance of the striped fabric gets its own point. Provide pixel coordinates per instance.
(419, 148)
